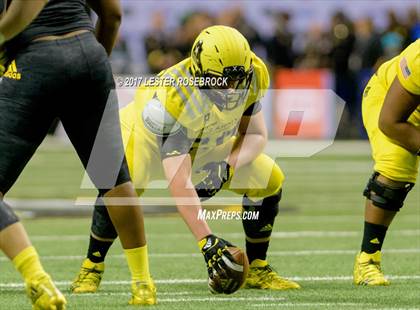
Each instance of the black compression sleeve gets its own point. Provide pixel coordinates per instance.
(174, 145)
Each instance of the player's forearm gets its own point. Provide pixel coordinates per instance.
(189, 206)
(404, 134)
(107, 32)
(109, 20)
(178, 173)
(18, 16)
(246, 149)
(198, 227)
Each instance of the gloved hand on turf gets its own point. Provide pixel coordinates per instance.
(216, 253)
(218, 173)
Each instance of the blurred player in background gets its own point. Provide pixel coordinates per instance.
(57, 68)
(209, 136)
(391, 115)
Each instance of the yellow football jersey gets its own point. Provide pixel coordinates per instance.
(405, 66)
(191, 108)
(392, 160)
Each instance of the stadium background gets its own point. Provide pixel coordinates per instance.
(318, 232)
(344, 42)
(349, 38)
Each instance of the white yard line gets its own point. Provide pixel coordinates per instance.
(394, 308)
(273, 253)
(311, 305)
(275, 235)
(339, 252)
(341, 218)
(182, 293)
(220, 299)
(319, 305)
(203, 281)
(189, 299)
(348, 278)
(370, 306)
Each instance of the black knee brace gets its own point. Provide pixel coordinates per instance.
(7, 215)
(101, 222)
(384, 196)
(260, 229)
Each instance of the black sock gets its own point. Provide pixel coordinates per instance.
(373, 237)
(256, 250)
(98, 250)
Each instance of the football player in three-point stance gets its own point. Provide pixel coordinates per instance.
(209, 136)
(391, 115)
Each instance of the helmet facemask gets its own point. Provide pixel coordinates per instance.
(231, 88)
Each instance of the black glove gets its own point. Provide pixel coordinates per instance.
(215, 250)
(218, 173)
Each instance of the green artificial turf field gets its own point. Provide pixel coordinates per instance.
(317, 235)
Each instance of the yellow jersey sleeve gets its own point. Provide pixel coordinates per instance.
(183, 100)
(408, 70)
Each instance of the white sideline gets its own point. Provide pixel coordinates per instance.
(275, 235)
(273, 253)
(203, 281)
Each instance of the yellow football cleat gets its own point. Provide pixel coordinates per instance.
(262, 276)
(367, 270)
(89, 277)
(143, 293)
(45, 295)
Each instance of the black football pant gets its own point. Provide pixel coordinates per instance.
(68, 79)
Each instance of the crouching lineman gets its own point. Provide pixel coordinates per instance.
(391, 115)
(219, 131)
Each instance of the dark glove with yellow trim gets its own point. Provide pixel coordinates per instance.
(218, 173)
(216, 253)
